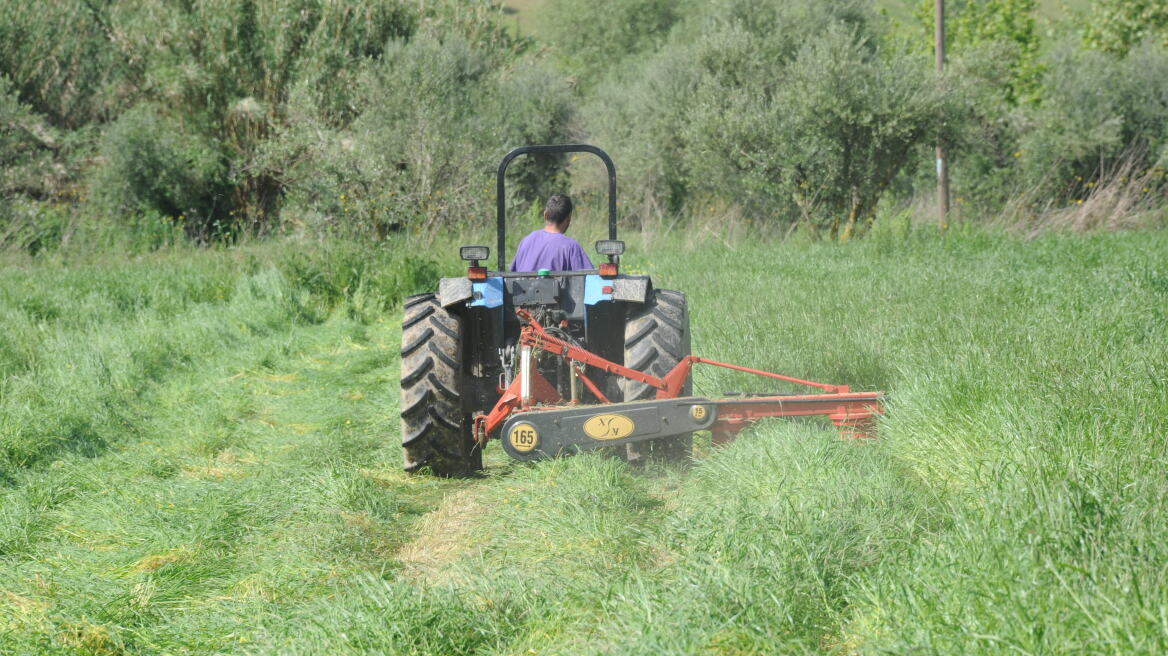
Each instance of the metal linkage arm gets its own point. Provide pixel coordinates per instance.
(669, 386)
(511, 400)
(535, 336)
(675, 379)
(853, 413)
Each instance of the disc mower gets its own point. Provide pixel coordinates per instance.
(556, 362)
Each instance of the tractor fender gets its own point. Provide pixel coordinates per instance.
(452, 291)
(632, 289)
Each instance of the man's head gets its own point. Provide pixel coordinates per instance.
(558, 212)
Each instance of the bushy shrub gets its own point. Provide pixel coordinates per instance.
(982, 132)
(1116, 26)
(744, 108)
(39, 166)
(26, 146)
(1044, 125)
(432, 118)
(641, 114)
(1008, 28)
(205, 113)
(1097, 112)
(240, 116)
(638, 117)
(593, 37)
(153, 167)
(64, 59)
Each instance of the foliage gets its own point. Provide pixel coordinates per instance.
(1010, 24)
(39, 165)
(841, 128)
(26, 146)
(752, 112)
(1044, 123)
(1100, 112)
(431, 120)
(151, 166)
(138, 123)
(1115, 26)
(64, 58)
(594, 37)
(205, 93)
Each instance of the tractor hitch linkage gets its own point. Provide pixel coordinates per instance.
(537, 422)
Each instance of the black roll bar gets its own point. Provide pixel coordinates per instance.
(501, 196)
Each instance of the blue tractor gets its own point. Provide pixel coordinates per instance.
(459, 344)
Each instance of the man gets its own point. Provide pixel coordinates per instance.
(549, 248)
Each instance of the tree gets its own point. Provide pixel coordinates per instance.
(1115, 26)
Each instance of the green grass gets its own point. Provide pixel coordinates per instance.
(200, 457)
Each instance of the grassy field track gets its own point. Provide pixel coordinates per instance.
(200, 456)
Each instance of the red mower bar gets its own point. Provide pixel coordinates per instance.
(537, 422)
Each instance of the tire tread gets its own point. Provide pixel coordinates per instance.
(433, 431)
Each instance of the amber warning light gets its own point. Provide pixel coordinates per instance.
(613, 248)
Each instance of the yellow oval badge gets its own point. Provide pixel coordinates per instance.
(523, 438)
(609, 427)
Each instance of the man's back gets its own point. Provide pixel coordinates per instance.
(550, 250)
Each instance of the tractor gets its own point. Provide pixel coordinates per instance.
(460, 345)
(557, 362)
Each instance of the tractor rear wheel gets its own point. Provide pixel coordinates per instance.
(435, 431)
(656, 339)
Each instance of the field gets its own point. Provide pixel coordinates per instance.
(199, 456)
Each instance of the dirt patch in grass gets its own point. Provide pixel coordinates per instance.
(20, 613)
(213, 472)
(155, 562)
(443, 536)
(89, 638)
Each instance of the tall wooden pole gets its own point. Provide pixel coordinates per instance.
(942, 161)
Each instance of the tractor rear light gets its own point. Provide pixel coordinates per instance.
(608, 269)
(474, 253)
(607, 289)
(610, 247)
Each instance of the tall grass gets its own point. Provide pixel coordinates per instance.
(252, 500)
(84, 342)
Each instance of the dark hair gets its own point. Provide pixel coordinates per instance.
(558, 209)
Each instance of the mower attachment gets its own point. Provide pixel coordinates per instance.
(543, 433)
(538, 423)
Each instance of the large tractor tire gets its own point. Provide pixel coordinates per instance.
(436, 433)
(656, 339)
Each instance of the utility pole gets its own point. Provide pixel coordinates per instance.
(942, 161)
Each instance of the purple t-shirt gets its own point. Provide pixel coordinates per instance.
(550, 250)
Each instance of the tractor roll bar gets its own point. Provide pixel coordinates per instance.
(501, 197)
